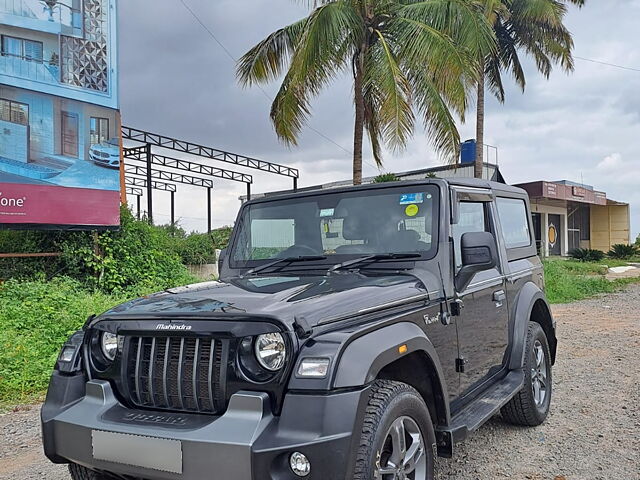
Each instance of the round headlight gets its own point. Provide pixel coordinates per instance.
(109, 343)
(271, 351)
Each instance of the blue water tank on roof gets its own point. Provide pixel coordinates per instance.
(468, 152)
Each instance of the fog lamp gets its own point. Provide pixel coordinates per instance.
(299, 464)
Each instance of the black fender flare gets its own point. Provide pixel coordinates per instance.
(363, 359)
(528, 296)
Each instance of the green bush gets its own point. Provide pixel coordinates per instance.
(200, 248)
(138, 257)
(622, 251)
(386, 177)
(29, 241)
(586, 255)
(36, 317)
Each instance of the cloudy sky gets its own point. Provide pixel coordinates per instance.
(176, 80)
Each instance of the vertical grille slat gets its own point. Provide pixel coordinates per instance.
(152, 361)
(175, 373)
(179, 378)
(138, 363)
(165, 386)
(212, 349)
(195, 374)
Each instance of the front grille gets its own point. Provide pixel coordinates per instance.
(176, 373)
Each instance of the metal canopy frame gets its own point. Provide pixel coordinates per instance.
(157, 140)
(132, 183)
(139, 154)
(145, 154)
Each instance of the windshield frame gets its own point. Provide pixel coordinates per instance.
(333, 259)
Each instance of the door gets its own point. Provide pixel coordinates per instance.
(70, 125)
(553, 235)
(483, 325)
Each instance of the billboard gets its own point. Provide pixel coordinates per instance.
(60, 148)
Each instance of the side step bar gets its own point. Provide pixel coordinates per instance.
(478, 412)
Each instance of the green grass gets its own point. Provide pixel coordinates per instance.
(36, 317)
(568, 281)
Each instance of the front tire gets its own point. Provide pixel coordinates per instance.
(530, 406)
(397, 440)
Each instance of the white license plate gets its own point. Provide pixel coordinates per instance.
(139, 451)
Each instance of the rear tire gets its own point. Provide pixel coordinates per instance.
(530, 406)
(81, 473)
(397, 435)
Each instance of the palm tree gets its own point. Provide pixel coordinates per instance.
(534, 27)
(407, 58)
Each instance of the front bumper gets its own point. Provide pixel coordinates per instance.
(246, 443)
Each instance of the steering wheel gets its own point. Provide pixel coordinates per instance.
(297, 251)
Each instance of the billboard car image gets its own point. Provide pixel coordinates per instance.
(59, 118)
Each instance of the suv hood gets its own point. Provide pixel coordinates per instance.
(284, 297)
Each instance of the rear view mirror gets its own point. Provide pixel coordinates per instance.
(479, 253)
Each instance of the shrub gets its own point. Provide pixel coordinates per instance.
(386, 177)
(622, 251)
(138, 257)
(586, 255)
(36, 317)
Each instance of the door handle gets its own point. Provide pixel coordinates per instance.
(499, 297)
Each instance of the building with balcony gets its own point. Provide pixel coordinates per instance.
(63, 49)
(58, 92)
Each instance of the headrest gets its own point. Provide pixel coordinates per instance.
(354, 227)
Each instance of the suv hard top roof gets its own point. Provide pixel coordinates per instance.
(451, 181)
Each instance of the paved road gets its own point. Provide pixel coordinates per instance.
(593, 432)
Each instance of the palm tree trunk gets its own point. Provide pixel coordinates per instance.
(359, 123)
(479, 165)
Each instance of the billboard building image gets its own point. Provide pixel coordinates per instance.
(59, 118)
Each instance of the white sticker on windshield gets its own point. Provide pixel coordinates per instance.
(409, 198)
(327, 212)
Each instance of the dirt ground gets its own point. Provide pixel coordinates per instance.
(592, 433)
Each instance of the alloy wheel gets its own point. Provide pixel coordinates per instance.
(539, 383)
(403, 455)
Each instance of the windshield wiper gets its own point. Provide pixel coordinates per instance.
(303, 258)
(374, 258)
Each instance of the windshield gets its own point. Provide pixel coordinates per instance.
(338, 226)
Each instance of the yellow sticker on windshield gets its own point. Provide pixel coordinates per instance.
(411, 210)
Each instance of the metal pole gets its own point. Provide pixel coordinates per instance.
(138, 198)
(173, 208)
(295, 184)
(209, 209)
(248, 192)
(149, 185)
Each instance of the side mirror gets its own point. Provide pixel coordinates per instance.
(479, 253)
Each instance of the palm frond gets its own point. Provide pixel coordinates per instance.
(321, 52)
(266, 61)
(436, 113)
(395, 112)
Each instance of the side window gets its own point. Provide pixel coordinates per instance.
(472, 219)
(515, 222)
